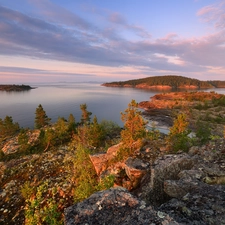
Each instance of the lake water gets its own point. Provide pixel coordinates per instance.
(61, 99)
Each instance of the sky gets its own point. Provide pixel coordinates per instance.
(110, 40)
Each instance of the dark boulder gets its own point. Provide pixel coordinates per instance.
(115, 206)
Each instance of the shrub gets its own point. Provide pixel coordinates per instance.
(39, 209)
(154, 133)
(83, 174)
(23, 141)
(107, 182)
(203, 132)
(178, 138)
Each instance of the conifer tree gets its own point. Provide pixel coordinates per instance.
(61, 130)
(86, 115)
(178, 136)
(71, 123)
(95, 134)
(8, 127)
(41, 119)
(134, 127)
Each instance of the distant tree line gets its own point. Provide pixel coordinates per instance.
(171, 80)
(14, 87)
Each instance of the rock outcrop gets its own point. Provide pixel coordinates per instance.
(135, 170)
(127, 174)
(189, 187)
(101, 161)
(12, 146)
(164, 169)
(204, 205)
(114, 206)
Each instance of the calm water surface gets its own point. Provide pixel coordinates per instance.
(61, 99)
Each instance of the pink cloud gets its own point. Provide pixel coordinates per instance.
(205, 10)
(117, 18)
(214, 14)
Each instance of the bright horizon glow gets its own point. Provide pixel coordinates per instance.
(103, 41)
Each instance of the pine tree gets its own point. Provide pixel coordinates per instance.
(178, 136)
(41, 119)
(134, 127)
(86, 115)
(95, 133)
(71, 123)
(61, 130)
(8, 127)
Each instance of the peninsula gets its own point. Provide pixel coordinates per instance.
(167, 82)
(14, 87)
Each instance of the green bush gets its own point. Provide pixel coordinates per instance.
(23, 139)
(83, 174)
(39, 209)
(178, 139)
(107, 182)
(202, 133)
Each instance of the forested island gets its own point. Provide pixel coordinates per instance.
(14, 87)
(168, 82)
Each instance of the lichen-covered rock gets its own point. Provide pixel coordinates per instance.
(167, 168)
(204, 205)
(114, 206)
(11, 146)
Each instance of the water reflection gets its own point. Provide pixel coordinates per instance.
(61, 99)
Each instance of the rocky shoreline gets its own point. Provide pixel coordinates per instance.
(163, 108)
(154, 87)
(167, 83)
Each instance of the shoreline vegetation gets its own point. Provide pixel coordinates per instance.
(167, 83)
(14, 87)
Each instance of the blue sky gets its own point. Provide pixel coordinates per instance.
(110, 40)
